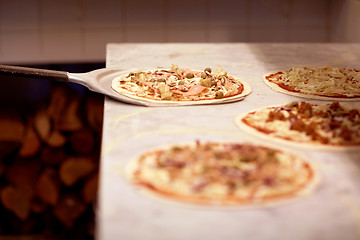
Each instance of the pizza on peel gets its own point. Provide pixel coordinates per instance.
(178, 86)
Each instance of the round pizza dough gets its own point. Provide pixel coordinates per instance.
(273, 138)
(154, 102)
(142, 172)
(277, 88)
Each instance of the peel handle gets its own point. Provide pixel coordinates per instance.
(34, 73)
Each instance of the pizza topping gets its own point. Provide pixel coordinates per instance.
(165, 91)
(190, 75)
(222, 171)
(206, 82)
(207, 71)
(332, 124)
(297, 125)
(219, 94)
(335, 109)
(275, 115)
(142, 77)
(322, 81)
(292, 104)
(345, 133)
(175, 69)
(193, 90)
(353, 115)
(181, 84)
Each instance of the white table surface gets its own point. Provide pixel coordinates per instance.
(332, 212)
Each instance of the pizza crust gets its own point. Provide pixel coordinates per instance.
(277, 88)
(153, 102)
(273, 139)
(206, 201)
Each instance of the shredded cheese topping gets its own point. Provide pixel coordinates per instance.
(223, 172)
(323, 81)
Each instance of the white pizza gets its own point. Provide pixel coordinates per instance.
(323, 83)
(222, 174)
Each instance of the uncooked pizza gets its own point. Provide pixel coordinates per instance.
(324, 83)
(222, 174)
(329, 126)
(178, 86)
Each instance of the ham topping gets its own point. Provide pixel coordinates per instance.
(194, 90)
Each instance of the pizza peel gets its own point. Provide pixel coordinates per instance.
(100, 81)
(97, 81)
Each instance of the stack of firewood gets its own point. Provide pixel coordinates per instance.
(49, 164)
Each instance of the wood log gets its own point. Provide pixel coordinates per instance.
(74, 169)
(8, 149)
(33, 179)
(48, 187)
(37, 205)
(42, 124)
(70, 119)
(69, 209)
(27, 227)
(11, 134)
(12, 128)
(53, 156)
(94, 106)
(2, 168)
(90, 188)
(56, 139)
(57, 103)
(17, 201)
(31, 143)
(23, 173)
(16, 228)
(82, 141)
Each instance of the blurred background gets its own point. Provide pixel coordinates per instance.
(77, 31)
(50, 133)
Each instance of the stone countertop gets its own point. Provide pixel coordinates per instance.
(332, 212)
